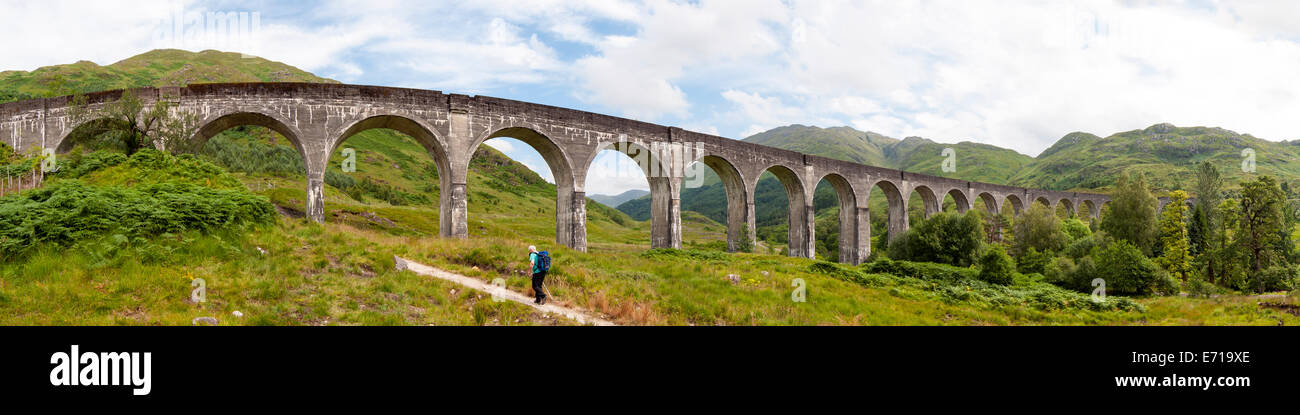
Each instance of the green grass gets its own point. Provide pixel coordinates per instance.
(163, 67)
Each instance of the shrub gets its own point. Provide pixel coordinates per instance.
(1075, 229)
(958, 285)
(672, 254)
(1199, 287)
(1032, 261)
(944, 238)
(745, 244)
(80, 165)
(1060, 271)
(66, 212)
(995, 266)
(1083, 246)
(919, 270)
(241, 150)
(1126, 270)
(1274, 278)
(846, 273)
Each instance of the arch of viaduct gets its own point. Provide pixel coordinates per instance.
(317, 118)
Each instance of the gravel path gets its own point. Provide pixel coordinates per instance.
(581, 316)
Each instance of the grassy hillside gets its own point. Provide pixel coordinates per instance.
(1166, 154)
(974, 161)
(165, 67)
(843, 142)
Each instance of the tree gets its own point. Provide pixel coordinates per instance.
(1209, 194)
(995, 266)
(1224, 254)
(1198, 241)
(1075, 229)
(994, 227)
(946, 238)
(1209, 189)
(130, 126)
(1261, 221)
(1038, 228)
(1132, 215)
(744, 244)
(1175, 256)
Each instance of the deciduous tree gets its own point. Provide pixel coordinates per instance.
(1174, 256)
(1132, 215)
(1261, 221)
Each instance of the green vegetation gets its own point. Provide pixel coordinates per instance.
(166, 67)
(1169, 156)
(1131, 214)
(945, 238)
(147, 195)
(164, 221)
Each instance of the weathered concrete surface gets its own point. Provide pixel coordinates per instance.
(317, 118)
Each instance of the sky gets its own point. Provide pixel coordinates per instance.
(1015, 74)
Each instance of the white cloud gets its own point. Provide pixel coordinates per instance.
(1017, 75)
(641, 75)
(501, 145)
(612, 173)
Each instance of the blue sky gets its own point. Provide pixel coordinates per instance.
(1013, 74)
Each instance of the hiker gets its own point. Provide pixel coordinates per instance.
(540, 262)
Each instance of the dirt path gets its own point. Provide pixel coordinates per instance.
(581, 316)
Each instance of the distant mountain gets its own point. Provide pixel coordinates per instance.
(975, 161)
(844, 142)
(163, 67)
(1166, 154)
(615, 200)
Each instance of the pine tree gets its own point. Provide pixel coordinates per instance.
(1198, 244)
(1175, 257)
(1209, 194)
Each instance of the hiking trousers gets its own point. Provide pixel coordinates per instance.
(538, 279)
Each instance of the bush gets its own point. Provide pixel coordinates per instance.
(1274, 278)
(1032, 261)
(846, 273)
(1199, 287)
(1127, 271)
(959, 285)
(1060, 272)
(79, 165)
(242, 150)
(1083, 246)
(692, 254)
(1166, 283)
(944, 238)
(66, 212)
(995, 266)
(1075, 229)
(920, 270)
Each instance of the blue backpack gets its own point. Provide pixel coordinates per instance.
(544, 261)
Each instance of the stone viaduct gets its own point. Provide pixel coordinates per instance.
(317, 118)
